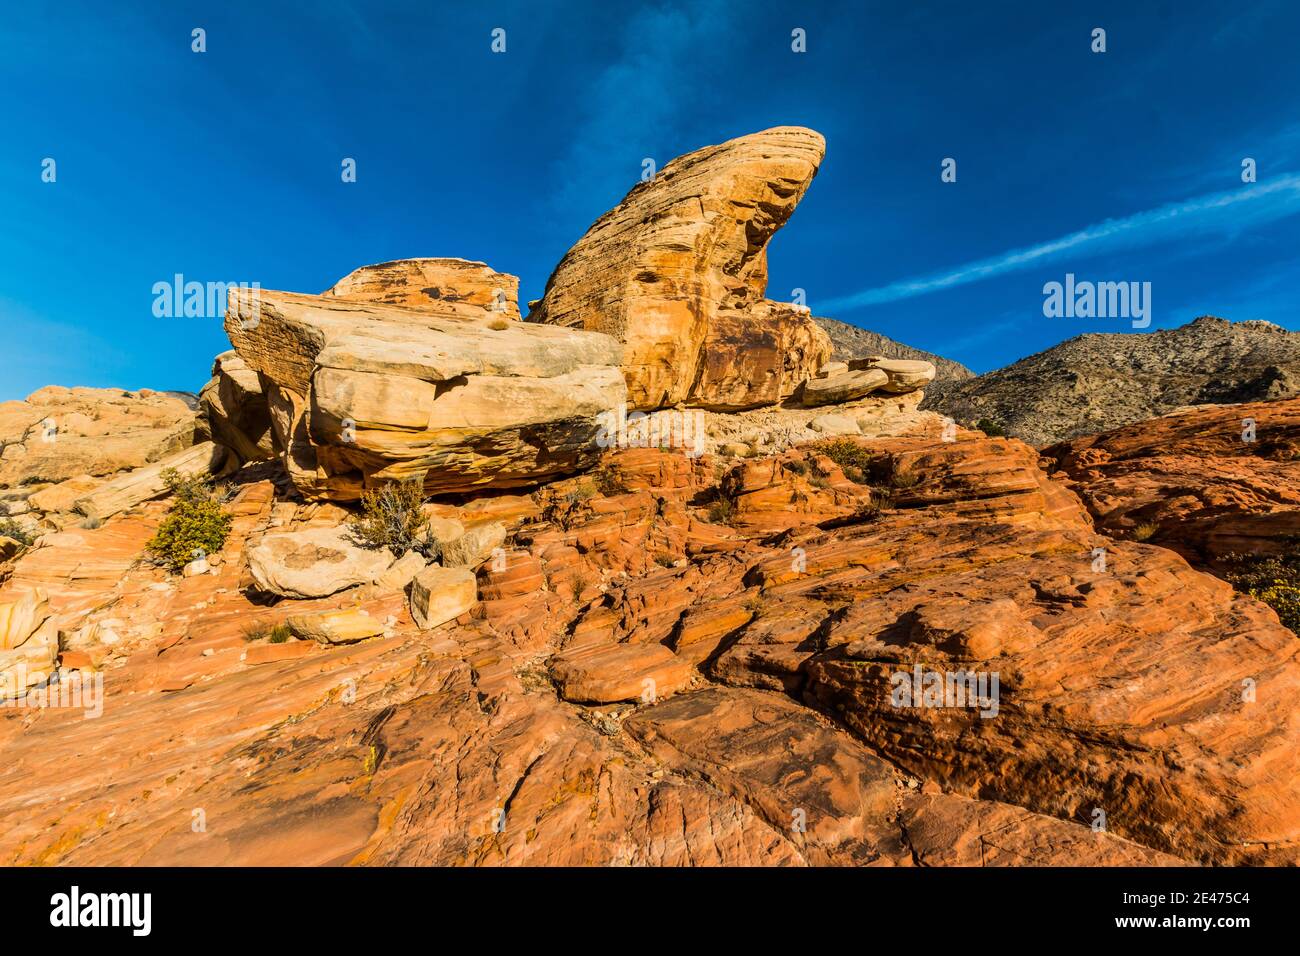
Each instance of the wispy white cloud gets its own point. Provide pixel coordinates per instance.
(1218, 214)
(639, 101)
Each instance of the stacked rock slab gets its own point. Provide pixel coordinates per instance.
(451, 286)
(677, 272)
(360, 393)
(234, 408)
(837, 382)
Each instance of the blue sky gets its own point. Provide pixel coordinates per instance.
(225, 165)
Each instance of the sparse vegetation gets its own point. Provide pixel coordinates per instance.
(664, 559)
(272, 634)
(722, 510)
(609, 480)
(9, 528)
(796, 467)
(853, 458)
(580, 582)
(1273, 579)
(195, 523)
(1145, 531)
(582, 492)
(881, 500)
(991, 428)
(564, 508)
(902, 477)
(392, 516)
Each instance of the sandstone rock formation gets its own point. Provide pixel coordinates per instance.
(831, 629)
(1198, 481)
(769, 628)
(28, 643)
(59, 433)
(851, 342)
(361, 393)
(439, 595)
(677, 272)
(235, 409)
(143, 484)
(315, 562)
(451, 287)
(1098, 381)
(62, 443)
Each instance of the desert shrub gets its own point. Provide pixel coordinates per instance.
(991, 428)
(609, 480)
(882, 499)
(903, 478)
(274, 634)
(854, 459)
(1145, 531)
(664, 559)
(1274, 579)
(722, 510)
(796, 467)
(581, 492)
(565, 508)
(196, 521)
(9, 528)
(392, 516)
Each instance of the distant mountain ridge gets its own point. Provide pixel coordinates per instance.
(1102, 380)
(852, 342)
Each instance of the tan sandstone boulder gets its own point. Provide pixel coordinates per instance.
(235, 408)
(134, 487)
(452, 287)
(362, 393)
(314, 562)
(439, 595)
(335, 627)
(678, 269)
(902, 375)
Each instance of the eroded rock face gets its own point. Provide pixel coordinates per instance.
(361, 393)
(677, 272)
(451, 287)
(775, 599)
(235, 409)
(1121, 682)
(59, 433)
(1192, 481)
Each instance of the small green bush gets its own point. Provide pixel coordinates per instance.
(854, 459)
(392, 516)
(9, 528)
(991, 428)
(196, 522)
(1275, 580)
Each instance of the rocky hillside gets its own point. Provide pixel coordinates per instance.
(1100, 381)
(851, 342)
